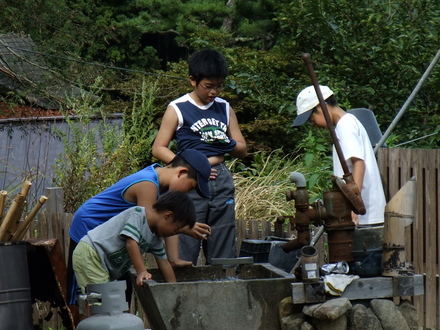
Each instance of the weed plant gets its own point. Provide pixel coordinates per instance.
(261, 186)
(97, 153)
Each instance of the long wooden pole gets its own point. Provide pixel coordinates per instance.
(24, 225)
(12, 218)
(3, 195)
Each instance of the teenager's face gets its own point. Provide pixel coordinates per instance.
(317, 118)
(181, 182)
(207, 89)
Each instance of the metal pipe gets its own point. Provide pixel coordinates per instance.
(298, 179)
(407, 103)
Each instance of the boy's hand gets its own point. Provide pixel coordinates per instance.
(213, 175)
(199, 231)
(144, 275)
(355, 218)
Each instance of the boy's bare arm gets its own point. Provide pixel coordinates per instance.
(172, 247)
(358, 176)
(358, 171)
(234, 132)
(143, 193)
(166, 132)
(166, 270)
(138, 262)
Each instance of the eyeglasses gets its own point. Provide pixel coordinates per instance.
(209, 89)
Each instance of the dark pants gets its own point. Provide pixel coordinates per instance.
(218, 211)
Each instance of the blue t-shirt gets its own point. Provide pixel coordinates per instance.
(109, 203)
(203, 127)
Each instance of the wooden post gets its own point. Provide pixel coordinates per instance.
(3, 195)
(24, 225)
(399, 213)
(12, 218)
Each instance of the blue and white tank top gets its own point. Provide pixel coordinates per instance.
(203, 127)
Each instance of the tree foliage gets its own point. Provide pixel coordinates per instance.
(371, 53)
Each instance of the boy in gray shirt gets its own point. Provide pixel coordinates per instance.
(109, 250)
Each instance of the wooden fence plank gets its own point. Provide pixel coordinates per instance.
(253, 229)
(241, 234)
(266, 228)
(418, 230)
(382, 161)
(394, 179)
(437, 166)
(431, 189)
(405, 159)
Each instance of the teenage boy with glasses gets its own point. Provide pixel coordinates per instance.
(203, 121)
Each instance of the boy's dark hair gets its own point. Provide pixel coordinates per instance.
(207, 63)
(179, 161)
(180, 204)
(331, 100)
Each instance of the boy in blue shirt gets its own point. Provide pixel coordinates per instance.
(189, 170)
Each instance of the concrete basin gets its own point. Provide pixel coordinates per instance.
(206, 298)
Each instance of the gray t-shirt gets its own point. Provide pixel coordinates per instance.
(109, 242)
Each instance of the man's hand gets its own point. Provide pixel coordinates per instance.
(199, 231)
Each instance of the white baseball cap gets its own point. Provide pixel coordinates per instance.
(306, 101)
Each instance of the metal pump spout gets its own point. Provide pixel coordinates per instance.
(303, 216)
(298, 179)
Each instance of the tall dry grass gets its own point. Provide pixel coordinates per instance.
(260, 189)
